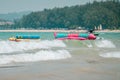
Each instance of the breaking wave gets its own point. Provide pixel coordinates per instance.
(111, 54)
(104, 44)
(32, 57)
(9, 46)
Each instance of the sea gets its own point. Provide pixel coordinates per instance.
(52, 59)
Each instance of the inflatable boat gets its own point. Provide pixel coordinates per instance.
(75, 36)
(19, 38)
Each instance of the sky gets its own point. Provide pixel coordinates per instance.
(8, 6)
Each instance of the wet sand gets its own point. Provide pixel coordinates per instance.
(81, 66)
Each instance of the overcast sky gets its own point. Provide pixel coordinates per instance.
(7, 6)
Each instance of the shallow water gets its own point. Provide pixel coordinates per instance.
(50, 59)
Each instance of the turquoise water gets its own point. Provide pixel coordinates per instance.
(50, 49)
(43, 35)
(50, 59)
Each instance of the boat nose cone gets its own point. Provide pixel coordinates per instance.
(91, 37)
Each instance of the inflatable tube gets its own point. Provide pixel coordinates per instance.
(12, 39)
(80, 36)
(18, 40)
(27, 37)
(72, 38)
(91, 37)
(61, 35)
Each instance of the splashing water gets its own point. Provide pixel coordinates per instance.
(111, 54)
(31, 57)
(17, 51)
(104, 44)
(8, 47)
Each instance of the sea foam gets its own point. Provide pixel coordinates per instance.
(111, 54)
(32, 57)
(11, 46)
(104, 44)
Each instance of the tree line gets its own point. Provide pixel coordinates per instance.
(105, 13)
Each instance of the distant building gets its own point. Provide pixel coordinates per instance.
(6, 23)
(98, 28)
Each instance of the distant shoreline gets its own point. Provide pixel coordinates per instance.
(57, 31)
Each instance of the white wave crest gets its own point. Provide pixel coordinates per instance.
(104, 44)
(111, 54)
(39, 56)
(8, 46)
